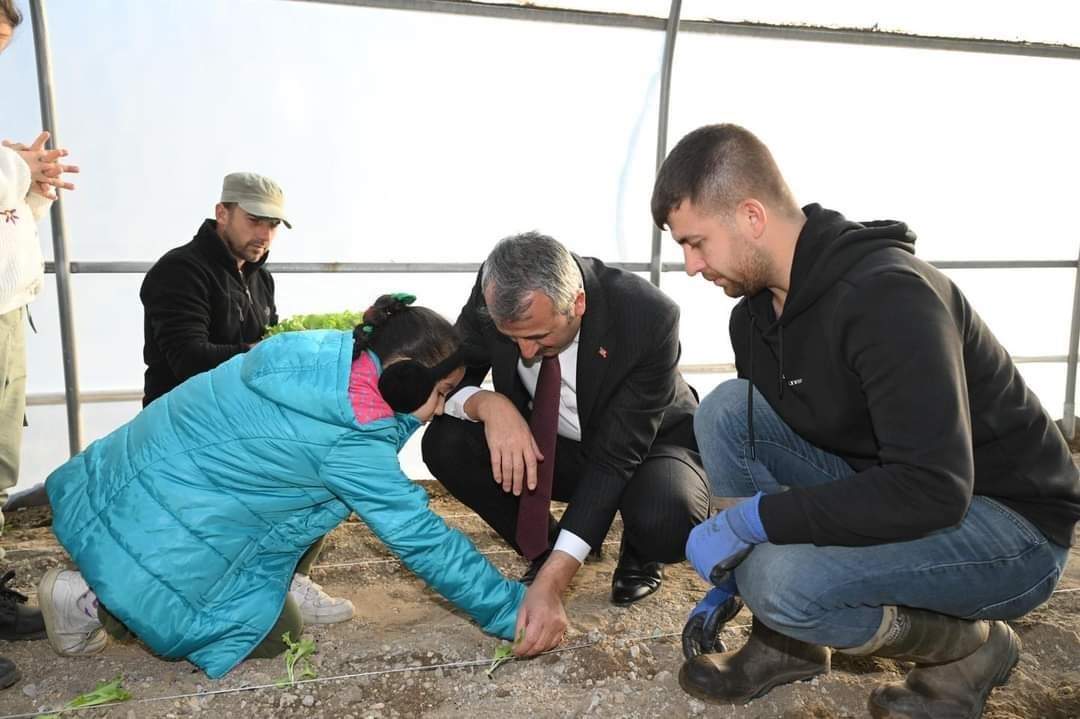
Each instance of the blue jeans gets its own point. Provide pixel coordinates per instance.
(993, 565)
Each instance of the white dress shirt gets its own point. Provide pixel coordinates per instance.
(569, 422)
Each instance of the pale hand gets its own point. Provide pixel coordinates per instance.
(46, 170)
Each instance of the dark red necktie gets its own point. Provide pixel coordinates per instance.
(533, 508)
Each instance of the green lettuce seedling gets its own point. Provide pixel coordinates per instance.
(504, 653)
(104, 693)
(297, 652)
(329, 321)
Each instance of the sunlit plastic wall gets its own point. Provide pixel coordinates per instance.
(408, 136)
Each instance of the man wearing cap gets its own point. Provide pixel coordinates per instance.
(211, 299)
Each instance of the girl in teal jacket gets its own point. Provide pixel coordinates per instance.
(187, 523)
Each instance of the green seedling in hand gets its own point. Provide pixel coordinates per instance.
(504, 653)
(104, 693)
(297, 652)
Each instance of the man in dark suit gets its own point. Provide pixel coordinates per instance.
(625, 415)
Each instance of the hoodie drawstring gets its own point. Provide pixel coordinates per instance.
(750, 385)
(783, 379)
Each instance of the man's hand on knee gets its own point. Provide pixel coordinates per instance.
(514, 453)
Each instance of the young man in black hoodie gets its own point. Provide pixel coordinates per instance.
(907, 491)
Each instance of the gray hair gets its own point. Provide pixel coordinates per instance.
(526, 263)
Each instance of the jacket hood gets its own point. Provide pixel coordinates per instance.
(828, 246)
(307, 372)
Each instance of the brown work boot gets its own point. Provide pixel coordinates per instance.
(955, 689)
(767, 660)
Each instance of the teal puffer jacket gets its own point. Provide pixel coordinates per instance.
(189, 520)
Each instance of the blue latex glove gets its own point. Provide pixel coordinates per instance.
(701, 634)
(719, 544)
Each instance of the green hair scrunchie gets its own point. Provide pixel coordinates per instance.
(404, 298)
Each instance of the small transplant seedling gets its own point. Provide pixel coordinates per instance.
(504, 653)
(104, 693)
(297, 653)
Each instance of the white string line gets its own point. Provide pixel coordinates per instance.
(316, 680)
(388, 560)
(356, 675)
(379, 672)
(667, 635)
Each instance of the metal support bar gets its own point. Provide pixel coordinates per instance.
(143, 266)
(662, 121)
(59, 232)
(1068, 416)
(804, 33)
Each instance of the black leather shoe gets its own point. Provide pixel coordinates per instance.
(9, 673)
(634, 579)
(18, 621)
(534, 568)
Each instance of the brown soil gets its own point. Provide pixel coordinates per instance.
(407, 653)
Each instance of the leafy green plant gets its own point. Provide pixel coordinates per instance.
(104, 693)
(346, 320)
(297, 653)
(504, 653)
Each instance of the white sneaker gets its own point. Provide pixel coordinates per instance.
(69, 607)
(316, 606)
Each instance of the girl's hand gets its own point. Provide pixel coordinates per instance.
(46, 170)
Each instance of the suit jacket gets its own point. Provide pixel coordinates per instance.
(630, 393)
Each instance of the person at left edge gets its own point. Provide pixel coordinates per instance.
(29, 177)
(212, 299)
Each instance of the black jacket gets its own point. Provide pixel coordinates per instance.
(630, 392)
(200, 310)
(879, 358)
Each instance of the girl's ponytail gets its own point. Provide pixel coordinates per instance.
(392, 329)
(375, 317)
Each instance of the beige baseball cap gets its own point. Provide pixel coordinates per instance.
(257, 195)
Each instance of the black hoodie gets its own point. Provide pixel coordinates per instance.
(200, 310)
(878, 358)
